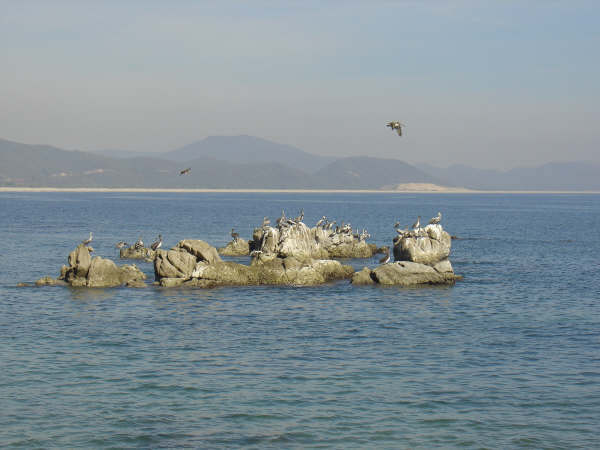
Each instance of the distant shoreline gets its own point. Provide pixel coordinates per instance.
(290, 191)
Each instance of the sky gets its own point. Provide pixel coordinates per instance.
(488, 83)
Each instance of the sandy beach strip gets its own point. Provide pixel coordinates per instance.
(290, 191)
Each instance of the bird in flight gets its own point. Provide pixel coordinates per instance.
(185, 171)
(395, 125)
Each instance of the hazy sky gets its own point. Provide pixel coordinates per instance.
(488, 83)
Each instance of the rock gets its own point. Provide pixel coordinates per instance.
(176, 263)
(432, 246)
(79, 263)
(137, 253)
(200, 249)
(131, 274)
(171, 282)
(343, 245)
(237, 247)
(136, 284)
(443, 266)
(406, 273)
(103, 273)
(47, 281)
(363, 277)
(23, 284)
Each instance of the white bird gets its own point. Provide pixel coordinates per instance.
(386, 257)
(437, 219)
(88, 240)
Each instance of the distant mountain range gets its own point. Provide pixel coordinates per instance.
(247, 162)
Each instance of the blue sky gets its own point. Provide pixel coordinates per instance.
(488, 83)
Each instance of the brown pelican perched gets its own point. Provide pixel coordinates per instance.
(417, 224)
(139, 244)
(185, 171)
(321, 221)
(386, 256)
(437, 219)
(88, 240)
(300, 216)
(234, 235)
(282, 219)
(121, 244)
(397, 224)
(266, 222)
(157, 244)
(395, 125)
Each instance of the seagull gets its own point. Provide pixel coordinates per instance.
(395, 125)
(185, 171)
(88, 240)
(139, 243)
(157, 244)
(121, 244)
(386, 256)
(234, 235)
(437, 219)
(417, 224)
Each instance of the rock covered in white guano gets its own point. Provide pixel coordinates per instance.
(428, 245)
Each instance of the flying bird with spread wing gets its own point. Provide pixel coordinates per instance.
(185, 171)
(395, 125)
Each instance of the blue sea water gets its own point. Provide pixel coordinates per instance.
(507, 358)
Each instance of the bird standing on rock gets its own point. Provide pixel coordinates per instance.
(386, 256)
(139, 244)
(437, 219)
(417, 224)
(121, 244)
(234, 235)
(157, 244)
(88, 240)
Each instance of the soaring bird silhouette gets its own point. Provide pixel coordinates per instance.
(395, 125)
(185, 171)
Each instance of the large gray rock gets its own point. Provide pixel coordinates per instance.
(84, 271)
(404, 273)
(430, 246)
(176, 263)
(200, 249)
(237, 247)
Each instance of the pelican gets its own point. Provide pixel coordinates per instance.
(395, 125)
(417, 224)
(321, 221)
(397, 224)
(282, 218)
(157, 244)
(121, 244)
(301, 216)
(139, 243)
(185, 171)
(234, 235)
(266, 222)
(386, 256)
(88, 240)
(437, 219)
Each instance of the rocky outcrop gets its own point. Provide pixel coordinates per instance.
(421, 258)
(85, 271)
(186, 265)
(404, 273)
(427, 245)
(343, 244)
(137, 253)
(237, 247)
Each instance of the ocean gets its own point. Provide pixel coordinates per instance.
(507, 358)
